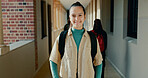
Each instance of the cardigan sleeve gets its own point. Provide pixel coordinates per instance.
(55, 54)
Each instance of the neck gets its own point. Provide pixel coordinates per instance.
(78, 27)
(77, 30)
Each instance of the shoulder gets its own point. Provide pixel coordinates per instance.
(91, 34)
(57, 39)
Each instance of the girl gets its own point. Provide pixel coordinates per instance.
(76, 61)
(102, 39)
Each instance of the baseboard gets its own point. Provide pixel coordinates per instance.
(118, 71)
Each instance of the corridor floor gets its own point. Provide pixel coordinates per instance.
(44, 72)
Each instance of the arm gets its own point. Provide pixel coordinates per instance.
(98, 62)
(54, 59)
(54, 70)
(98, 71)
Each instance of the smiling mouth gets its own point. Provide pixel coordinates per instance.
(77, 22)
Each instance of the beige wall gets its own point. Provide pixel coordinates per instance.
(89, 16)
(42, 44)
(18, 63)
(60, 19)
(98, 9)
(105, 14)
(92, 13)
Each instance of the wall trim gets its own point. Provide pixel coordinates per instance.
(114, 66)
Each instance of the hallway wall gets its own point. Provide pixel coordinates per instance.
(18, 63)
(22, 61)
(92, 13)
(126, 54)
(59, 19)
(140, 70)
(116, 49)
(42, 44)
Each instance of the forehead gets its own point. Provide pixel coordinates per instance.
(76, 9)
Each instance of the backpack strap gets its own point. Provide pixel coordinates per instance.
(93, 44)
(62, 42)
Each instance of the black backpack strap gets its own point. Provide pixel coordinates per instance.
(93, 44)
(62, 42)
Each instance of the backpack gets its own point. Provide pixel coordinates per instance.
(92, 38)
(101, 42)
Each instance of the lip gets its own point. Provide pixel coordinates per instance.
(77, 22)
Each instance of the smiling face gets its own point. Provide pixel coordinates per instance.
(77, 17)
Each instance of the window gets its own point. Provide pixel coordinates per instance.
(132, 18)
(43, 17)
(112, 16)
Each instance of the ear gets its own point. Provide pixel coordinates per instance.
(84, 16)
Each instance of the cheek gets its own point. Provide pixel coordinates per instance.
(71, 20)
(82, 19)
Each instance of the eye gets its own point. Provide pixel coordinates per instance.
(73, 15)
(80, 15)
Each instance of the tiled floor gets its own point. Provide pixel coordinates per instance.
(44, 72)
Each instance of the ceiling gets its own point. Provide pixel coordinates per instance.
(68, 3)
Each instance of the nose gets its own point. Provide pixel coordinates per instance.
(76, 18)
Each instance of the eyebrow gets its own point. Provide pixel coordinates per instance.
(80, 13)
(74, 13)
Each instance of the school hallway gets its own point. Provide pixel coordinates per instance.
(44, 72)
(29, 28)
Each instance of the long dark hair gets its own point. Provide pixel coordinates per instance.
(98, 26)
